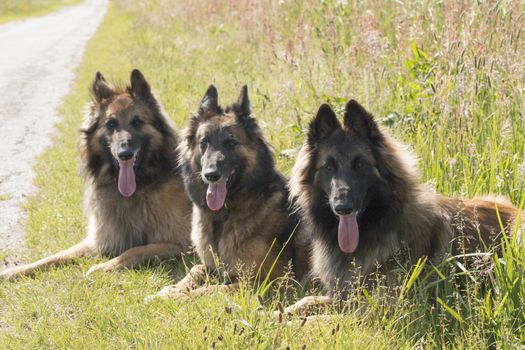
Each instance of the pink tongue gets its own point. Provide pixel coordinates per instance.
(348, 233)
(216, 195)
(126, 177)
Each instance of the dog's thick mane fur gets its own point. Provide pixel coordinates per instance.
(399, 165)
(157, 176)
(94, 166)
(151, 222)
(256, 207)
(265, 174)
(416, 220)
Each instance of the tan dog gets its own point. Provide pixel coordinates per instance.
(135, 201)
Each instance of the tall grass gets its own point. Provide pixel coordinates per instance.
(19, 9)
(445, 77)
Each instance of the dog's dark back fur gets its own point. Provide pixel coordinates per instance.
(256, 210)
(159, 210)
(395, 214)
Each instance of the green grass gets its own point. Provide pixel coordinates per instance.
(20, 9)
(445, 78)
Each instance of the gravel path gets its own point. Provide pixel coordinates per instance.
(37, 66)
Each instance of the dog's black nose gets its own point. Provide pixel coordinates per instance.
(212, 175)
(125, 155)
(343, 208)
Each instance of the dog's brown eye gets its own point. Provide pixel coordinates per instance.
(358, 163)
(231, 143)
(111, 124)
(136, 122)
(328, 166)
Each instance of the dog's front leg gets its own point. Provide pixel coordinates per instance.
(307, 306)
(201, 291)
(83, 248)
(213, 289)
(194, 279)
(137, 255)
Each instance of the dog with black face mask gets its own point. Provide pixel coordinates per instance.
(358, 190)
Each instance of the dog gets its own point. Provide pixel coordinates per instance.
(358, 189)
(241, 213)
(135, 201)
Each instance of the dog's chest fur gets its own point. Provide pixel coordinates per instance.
(417, 232)
(152, 215)
(241, 237)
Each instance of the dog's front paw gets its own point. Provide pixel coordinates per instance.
(7, 275)
(281, 314)
(278, 315)
(13, 273)
(168, 292)
(104, 267)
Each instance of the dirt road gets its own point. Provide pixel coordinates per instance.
(37, 66)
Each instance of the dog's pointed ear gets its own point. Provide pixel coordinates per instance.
(101, 89)
(243, 102)
(361, 122)
(139, 88)
(209, 102)
(324, 123)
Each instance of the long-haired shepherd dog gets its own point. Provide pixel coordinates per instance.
(135, 201)
(359, 191)
(241, 214)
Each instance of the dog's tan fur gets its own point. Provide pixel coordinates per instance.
(155, 221)
(249, 232)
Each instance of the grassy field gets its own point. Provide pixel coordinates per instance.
(19, 9)
(445, 77)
